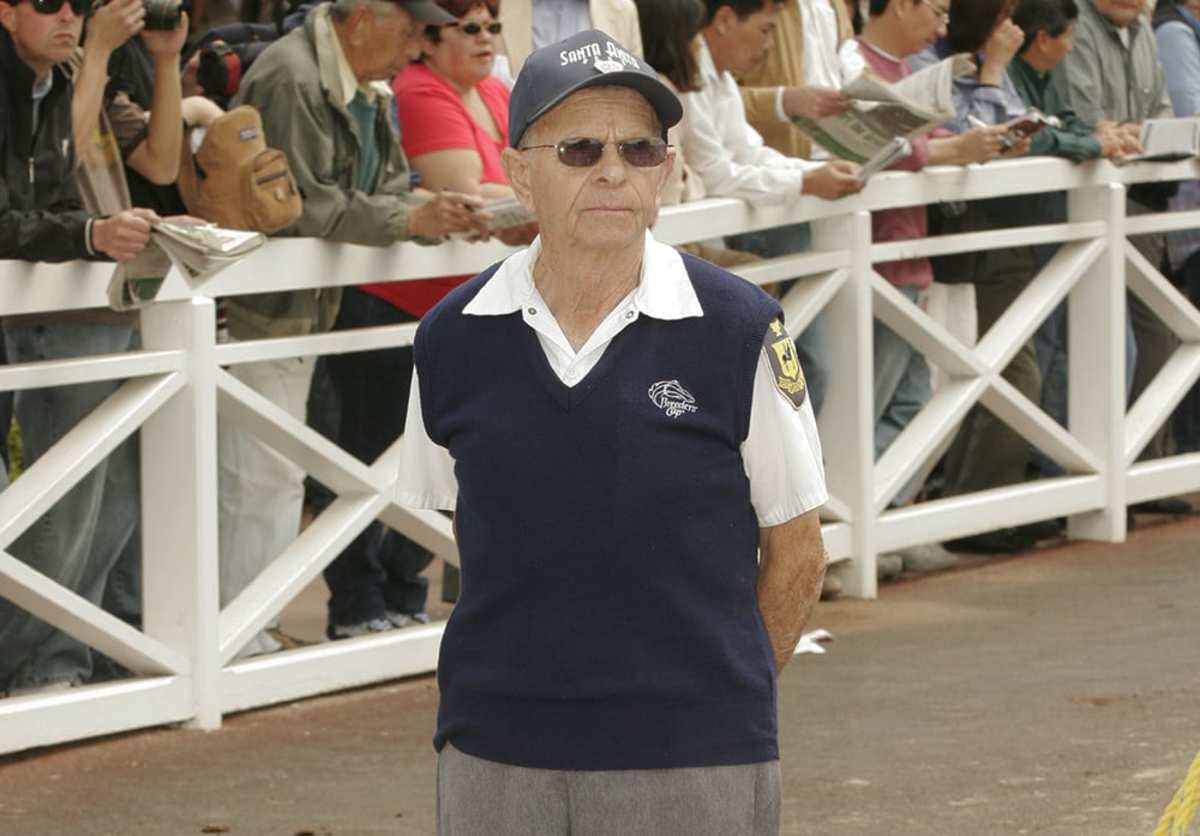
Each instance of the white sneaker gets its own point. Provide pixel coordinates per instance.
(363, 628)
(406, 619)
(888, 566)
(932, 557)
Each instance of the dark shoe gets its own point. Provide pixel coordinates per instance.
(1004, 541)
(1044, 530)
(1167, 505)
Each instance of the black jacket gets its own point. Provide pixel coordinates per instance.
(41, 217)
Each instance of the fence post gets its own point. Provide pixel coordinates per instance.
(847, 417)
(179, 502)
(1096, 351)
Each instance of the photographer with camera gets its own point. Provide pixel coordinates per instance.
(149, 148)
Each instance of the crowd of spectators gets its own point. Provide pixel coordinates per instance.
(393, 115)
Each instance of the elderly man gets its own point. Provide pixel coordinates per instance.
(625, 436)
(1115, 76)
(314, 88)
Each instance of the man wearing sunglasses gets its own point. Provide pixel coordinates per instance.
(41, 219)
(620, 429)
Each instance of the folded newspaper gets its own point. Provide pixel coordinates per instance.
(196, 250)
(881, 112)
(1166, 140)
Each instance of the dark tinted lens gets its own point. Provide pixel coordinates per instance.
(474, 28)
(643, 153)
(48, 7)
(580, 153)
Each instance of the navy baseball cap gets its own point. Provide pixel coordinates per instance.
(589, 59)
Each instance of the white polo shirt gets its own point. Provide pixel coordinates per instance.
(781, 453)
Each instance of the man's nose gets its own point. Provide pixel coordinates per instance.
(611, 168)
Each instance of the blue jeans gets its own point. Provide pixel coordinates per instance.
(902, 386)
(380, 570)
(813, 345)
(88, 541)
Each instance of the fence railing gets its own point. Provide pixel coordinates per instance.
(176, 385)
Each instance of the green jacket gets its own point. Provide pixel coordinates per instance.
(1048, 92)
(295, 85)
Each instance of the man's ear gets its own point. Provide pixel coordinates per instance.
(8, 16)
(516, 169)
(664, 170)
(724, 18)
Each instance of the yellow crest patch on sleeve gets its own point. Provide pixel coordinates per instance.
(785, 364)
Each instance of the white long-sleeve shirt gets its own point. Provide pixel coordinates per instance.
(727, 154)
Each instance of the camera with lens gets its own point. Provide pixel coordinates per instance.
(163, 15)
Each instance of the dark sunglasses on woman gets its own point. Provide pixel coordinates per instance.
(473, 28)
(584, 152)
(52, 7)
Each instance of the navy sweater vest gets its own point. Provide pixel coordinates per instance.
(608, 616)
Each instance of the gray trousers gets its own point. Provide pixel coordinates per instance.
(476, 797)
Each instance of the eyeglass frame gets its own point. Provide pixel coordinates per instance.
(943, 15)
(79, 7)
(560, 148)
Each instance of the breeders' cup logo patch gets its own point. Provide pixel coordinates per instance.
(785, 365)
(672, 398)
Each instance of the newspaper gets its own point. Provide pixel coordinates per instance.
(196, 250)
(1166, 140)
(880, 112)
(507, 212)
(892, 153)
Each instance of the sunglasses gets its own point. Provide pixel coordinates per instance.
(52, 7)
(473, 28)
(583, 152)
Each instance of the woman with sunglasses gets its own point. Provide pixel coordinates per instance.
(453, 126)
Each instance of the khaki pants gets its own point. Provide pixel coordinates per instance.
(986, 453)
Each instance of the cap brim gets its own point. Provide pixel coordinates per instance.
(664, 101)
(426, 11)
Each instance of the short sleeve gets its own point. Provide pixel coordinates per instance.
(781, 453)
(426, 469)
(431, 119)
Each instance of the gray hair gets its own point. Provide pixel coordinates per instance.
(340, 10)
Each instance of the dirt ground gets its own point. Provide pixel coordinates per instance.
(1053, 693)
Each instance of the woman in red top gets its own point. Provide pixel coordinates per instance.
(454, 125)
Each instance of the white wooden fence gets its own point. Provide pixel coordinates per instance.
(176, 385)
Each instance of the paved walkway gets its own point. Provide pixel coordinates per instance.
(1055, 694)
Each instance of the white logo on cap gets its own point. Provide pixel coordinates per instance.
(602, 55)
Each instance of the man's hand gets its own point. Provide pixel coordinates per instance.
(832, 180)
(980, 145)
(1000, 49)
(123, 236)
(1130, 134)
(1018, 145)
(113, 24)
(1111, 145)
(791, 567)
(814, 102)
(162, 44)
(447, 213)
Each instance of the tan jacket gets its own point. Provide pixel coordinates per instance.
(617, 18)
(784, 67)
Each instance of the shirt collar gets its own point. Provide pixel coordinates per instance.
(882, 53)
(347, 82)
(705, 64)
(41, 89)
(664, 289)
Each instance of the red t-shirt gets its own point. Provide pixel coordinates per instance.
(433, 117)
